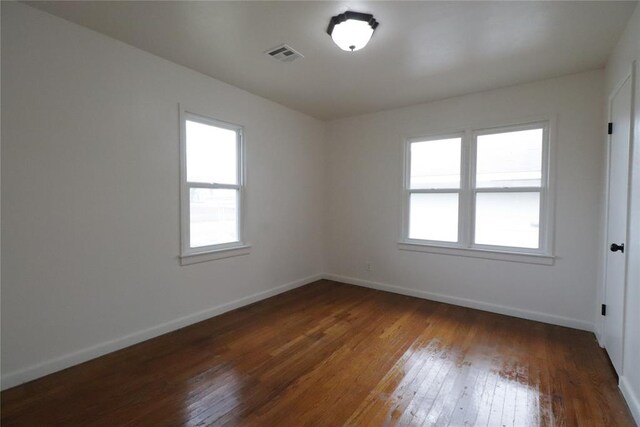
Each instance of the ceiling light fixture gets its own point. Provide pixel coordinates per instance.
(352, 31)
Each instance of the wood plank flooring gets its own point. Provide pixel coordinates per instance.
(330, 354)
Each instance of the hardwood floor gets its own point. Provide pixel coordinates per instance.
(330, 354)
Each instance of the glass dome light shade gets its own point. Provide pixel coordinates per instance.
(352, 31)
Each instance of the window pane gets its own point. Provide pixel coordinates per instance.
(434, 216)
(435, 164)
(213, 216)
(211, 154)
(508, 219)
(510, 159)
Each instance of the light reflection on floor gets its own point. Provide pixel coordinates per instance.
(488, 391)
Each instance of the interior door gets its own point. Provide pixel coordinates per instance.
(620, 113)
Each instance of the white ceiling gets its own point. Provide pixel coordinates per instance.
(421, 51)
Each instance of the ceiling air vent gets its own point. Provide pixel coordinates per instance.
(284, 53)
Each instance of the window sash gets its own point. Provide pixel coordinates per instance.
(456, 191)
(200, 249)
(213, 186)
(411, 141)
(186, 186)
(474, 245)
(468, 191)
(187, 116)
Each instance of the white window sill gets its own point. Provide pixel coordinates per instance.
(479, 253)
(215, 254)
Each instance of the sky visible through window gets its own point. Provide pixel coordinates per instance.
(511, 159)
(436, 164)
(211, 154)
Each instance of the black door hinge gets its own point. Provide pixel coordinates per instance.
(610, 128)
(603, 311)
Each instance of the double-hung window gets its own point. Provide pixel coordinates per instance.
(212, 187)
(480, 190)
(435, 184)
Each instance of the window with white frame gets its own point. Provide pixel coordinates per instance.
(480, 189)
(212, 184)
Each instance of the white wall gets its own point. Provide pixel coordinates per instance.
(627, 50)
(365, 161)
(90, 231)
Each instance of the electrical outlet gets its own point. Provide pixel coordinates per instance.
(368, 266)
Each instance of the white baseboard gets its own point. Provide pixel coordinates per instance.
(464, 302)
(12, 379)
(599, 336)
(632, 399)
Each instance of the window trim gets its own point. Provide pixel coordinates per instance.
(190, 255)
(467, 197)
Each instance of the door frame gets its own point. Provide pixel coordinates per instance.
(630, 74)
